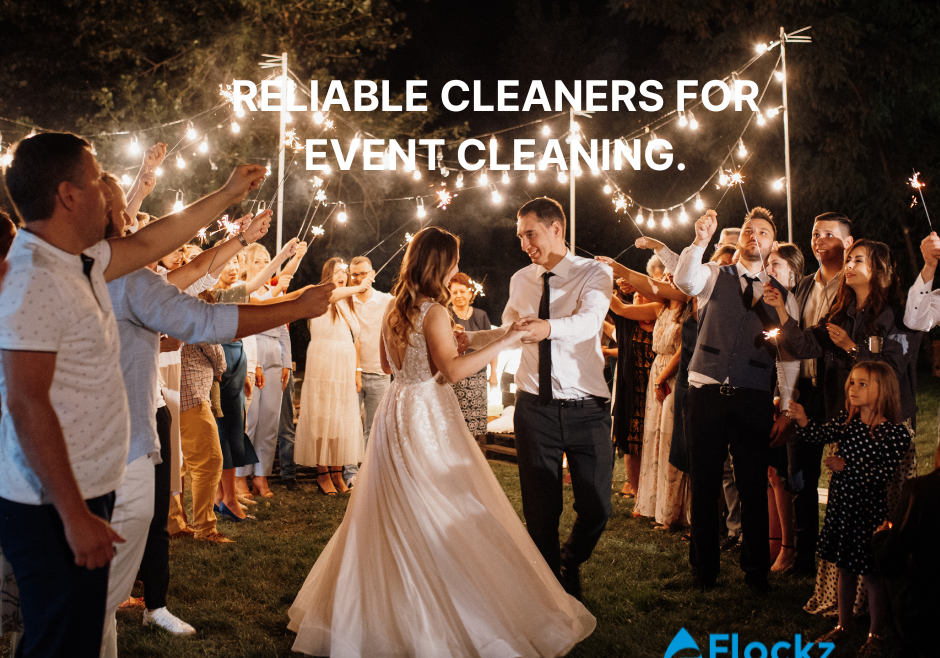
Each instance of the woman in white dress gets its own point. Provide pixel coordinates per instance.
(431, 559)
(329, 428)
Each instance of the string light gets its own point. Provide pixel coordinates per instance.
(639, 217)
(654, 140)
(204, 146)
(778, 184)
(505, 177)
(778, 75)
(483, 177)
(268, 168)
(191, 132)
(722, 178)
(459, 181)
(134, 147)
(417, 174)
(180, 162)
(577, 171)
(546, 130)
(761, 48)
(287, 117)
(531, 177)
(235, 127)
(772, 112)
(318, 117)
(693, 124)
(562, 176)
(760, 119)
(240, 113)
(126, 180)
(666, 221)
(652, 221)
(159, 171)
(742, 152)
(494, 193)
(341, 216)
(178, 205)
(699, 204)
(607, 188)
(683, 121)
(422, 213)
(683, 216)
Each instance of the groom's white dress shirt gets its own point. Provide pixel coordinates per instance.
(580, 298)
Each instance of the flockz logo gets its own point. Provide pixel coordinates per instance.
(727, 645)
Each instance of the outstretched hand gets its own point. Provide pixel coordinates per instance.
(257, 227)
(243, 180)
(705, 227)
(533, 329)
(645, 242)
(316, 299)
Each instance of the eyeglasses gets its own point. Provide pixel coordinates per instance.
(358, 275)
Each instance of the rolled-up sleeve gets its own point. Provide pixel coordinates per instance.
(692, 276)
(922, 310)
(586, 323)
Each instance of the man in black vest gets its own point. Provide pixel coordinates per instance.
(731, 392)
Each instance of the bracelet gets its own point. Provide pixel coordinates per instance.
(358, 369)
(657, 385)
(241, 238)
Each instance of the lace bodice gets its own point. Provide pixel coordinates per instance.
(415, 365)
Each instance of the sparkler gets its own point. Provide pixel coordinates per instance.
(317, 231)
(477, 288)
(201, 234)
(444, 198)
(919, 186)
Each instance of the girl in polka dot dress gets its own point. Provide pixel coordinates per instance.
(871, 444)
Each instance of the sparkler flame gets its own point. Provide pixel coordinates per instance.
(317, 181)
(408, 238)
(772, 334)
(320, 196)
(317, 231)
(328, 124)
(225, 91)
(201, 234)
(915, 181)
(477, 288)
(443, 198)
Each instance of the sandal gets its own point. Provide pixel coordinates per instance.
(788, 564)
(874, 647)
(345, 489)
(627, 496)
(320, 486)
(836, 635)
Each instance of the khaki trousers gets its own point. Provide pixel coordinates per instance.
(202, 454)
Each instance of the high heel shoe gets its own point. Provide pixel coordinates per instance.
(257, 492)
(320, 486)
(228, 515)
(345, 489)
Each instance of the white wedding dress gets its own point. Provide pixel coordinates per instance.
(431, 559)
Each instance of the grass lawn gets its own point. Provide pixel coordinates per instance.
(636, 583)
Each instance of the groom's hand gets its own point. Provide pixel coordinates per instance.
(536, 330)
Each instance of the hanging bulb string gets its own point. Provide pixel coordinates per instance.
(740, 185)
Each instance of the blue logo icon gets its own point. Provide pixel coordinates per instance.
(682, 641)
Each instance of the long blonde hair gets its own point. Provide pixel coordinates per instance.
(429, 258)
(888, 401)
(250, 252)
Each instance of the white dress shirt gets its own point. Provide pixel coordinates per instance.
(697, 279)
(580, 298)
(922, 311)
(371, 313)
(817, 305)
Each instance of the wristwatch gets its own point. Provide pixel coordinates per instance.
(853, 353)
(241, 238)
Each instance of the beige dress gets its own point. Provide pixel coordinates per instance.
(329, 428)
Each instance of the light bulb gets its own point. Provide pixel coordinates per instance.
(239, 113)
(159, 171)
(287, 117)
(683, 217)
(327, 169)
(422, 212)
(134, 147)
(760, 119)
(653, 139)
(459, 182)
(666, 221)
(505, 177)
(693, 124)
(577, 172)
(562, 176)
(191, 133)
(483, 178)
(699, 204)
(235, 127)
(495, 195)
(417, 174)
(722, 178)
(779, 183)
(651, 223)
(741, 150)
(268, 168)
(531, 177)
(779, 76)
(341, 216)
(204, 146)
(318, 117)
(607, 189)
(575, 127)
(683, 121)
(546, 130)
(772, 112)
(639, 217)
(761, 48)
(178, 206)
(180, 162)
(126, 180)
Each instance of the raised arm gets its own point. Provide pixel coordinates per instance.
(153, 242)
(642, 312)
(922, 311)
(146, 178)
(692, 276)
(443, 350)
(265, 275)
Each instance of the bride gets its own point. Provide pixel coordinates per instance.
(431, 559)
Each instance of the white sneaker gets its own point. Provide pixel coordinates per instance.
(167, 621)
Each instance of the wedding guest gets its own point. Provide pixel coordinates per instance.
(663, 490)
(729, 237)
(329, 428)
(730, 399)
(370, 306)
(562, 399)
(633, 323)
(905, 551)
(871, 443)
(64, 433)
(785, 264)
(815, 293)
(724, 254)
(275, 360)
(472, 391)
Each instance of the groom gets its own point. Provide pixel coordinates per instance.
(562, 398)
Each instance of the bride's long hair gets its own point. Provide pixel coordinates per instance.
(428, 259)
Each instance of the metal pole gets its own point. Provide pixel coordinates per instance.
(786, 131)
(281, 150)
(571, 176)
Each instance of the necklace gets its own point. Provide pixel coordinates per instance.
(469, 313)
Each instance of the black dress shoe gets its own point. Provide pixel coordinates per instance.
(571, 580)
(731, 544)
(290, 484)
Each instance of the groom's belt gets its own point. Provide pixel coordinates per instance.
(580, 403)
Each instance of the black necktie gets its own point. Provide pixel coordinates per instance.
(87, 264)
(545, 346)
(749, 291)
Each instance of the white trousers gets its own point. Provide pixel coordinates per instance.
(133, 511)
(264, 414)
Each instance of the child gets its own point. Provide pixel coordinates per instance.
(871, 444)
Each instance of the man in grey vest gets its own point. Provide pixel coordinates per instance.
(731, 392)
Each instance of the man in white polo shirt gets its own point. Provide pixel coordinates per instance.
(65, 427)
(370, 306)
